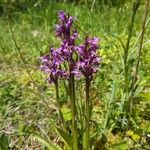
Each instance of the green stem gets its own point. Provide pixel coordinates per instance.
(139, 54)
(58, 103)
(126, 53)
(86, 144)
(74, 112)
(141, 41)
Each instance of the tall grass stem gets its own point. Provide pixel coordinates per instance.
(139, 53)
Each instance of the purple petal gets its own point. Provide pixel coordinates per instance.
(62, 15)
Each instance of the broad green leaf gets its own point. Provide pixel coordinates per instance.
(68, 139)
(119, 146)
(136, 137)
(50, 145)
(146, 97)
(66, 113)
(4, 142)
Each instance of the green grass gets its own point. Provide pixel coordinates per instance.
(27, 105)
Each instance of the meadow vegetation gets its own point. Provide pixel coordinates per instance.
(119, 91)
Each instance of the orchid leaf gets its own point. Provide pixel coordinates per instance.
(48, 144)
(68, 139)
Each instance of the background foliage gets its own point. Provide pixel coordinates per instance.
(28, 105)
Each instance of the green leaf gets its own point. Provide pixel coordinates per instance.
(147, 129)
(136, 137)
(146, 97)
(4, 142)
(68, 139)
(66, 113)
(119, 146)
(50, 145)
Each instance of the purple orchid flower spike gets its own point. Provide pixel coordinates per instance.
(51, 65)
(89, 61)
(63, 29)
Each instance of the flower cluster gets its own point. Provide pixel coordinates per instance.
(63, 30)
(86, 62)
(51, 65)
(67, 34)
(88, 59)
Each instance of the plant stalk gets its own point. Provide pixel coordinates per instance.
(58, 103)
(139, 53)
(74, 112)
(86, 144)
(126, 53)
